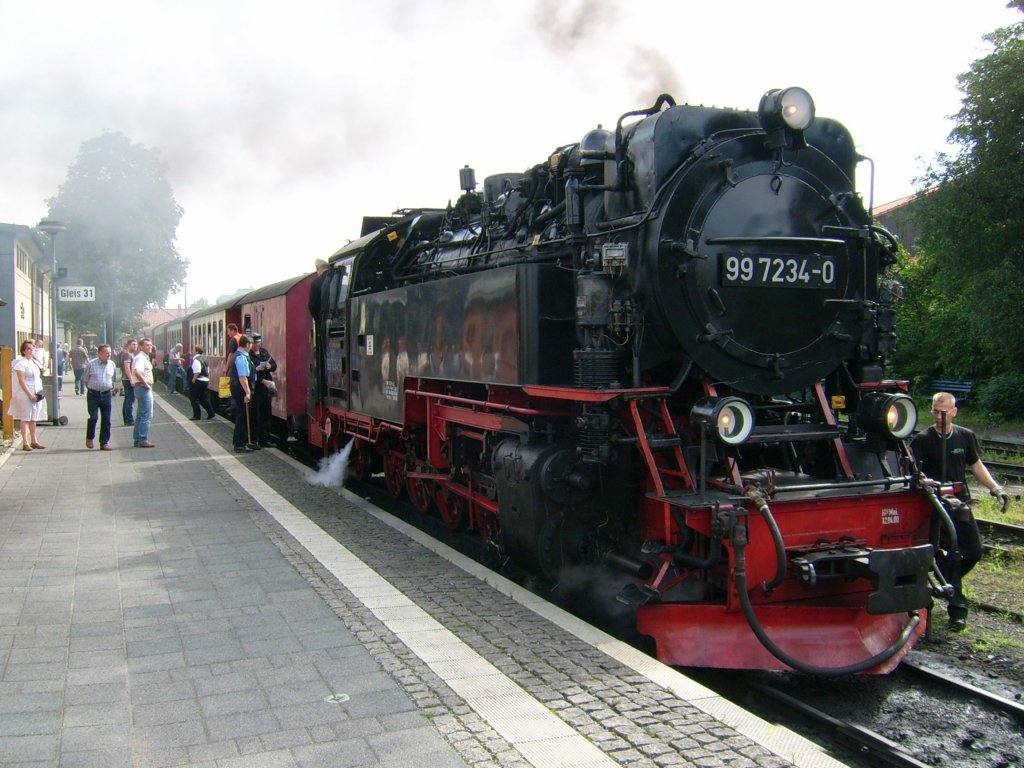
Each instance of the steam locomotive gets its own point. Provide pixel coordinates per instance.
(651, 369)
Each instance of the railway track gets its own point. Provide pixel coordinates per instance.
(994, 445)
(1010, 707)
(875, 748)
(918, 716)
(1006, 533)
(1006, 470)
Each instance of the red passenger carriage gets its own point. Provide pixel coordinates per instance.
(280, 312)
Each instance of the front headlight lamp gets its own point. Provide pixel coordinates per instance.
(786, 111)
(731, 419)
(888, 415)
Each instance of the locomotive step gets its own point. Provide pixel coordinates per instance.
(791, 433)
(663, 442)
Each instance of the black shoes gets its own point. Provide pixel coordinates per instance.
(243, 449)
(210, 416)
(958, 624)
(194, 418)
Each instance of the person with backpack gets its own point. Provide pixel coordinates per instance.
(198, 393)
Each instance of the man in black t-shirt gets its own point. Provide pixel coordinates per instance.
(962, 453)
(124, 364)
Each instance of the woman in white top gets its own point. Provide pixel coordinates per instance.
(26, 405)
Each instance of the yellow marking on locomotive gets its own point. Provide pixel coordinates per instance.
(838, 402)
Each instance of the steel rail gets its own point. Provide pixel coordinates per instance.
(1001, 703)
(1005, 469)
(1004, 446)
(863, 740)
(997, 526)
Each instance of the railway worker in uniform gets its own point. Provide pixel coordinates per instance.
(142, 381)
(316, 287)
(98, 381)
(124, 363)
(962, 453)
(263, 392)
(198, 391)
(241, 375)
(79, 360)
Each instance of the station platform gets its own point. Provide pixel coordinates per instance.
(185, 605)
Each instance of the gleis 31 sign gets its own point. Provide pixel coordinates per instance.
(76, 293)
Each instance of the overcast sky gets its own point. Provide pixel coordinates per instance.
(282, 123)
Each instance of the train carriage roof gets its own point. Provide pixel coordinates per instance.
(270, 291)
(234, 301)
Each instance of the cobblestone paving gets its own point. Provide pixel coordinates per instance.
(636, 722)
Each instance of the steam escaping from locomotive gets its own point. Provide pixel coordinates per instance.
(658, 356)
(331, 470)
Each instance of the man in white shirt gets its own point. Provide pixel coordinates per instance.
(142, 382)
(98, 379)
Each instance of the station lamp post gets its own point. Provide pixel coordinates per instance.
(52, 227)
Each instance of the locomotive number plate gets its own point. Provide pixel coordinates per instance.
(766, 271)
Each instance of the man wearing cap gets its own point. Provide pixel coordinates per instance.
(264, 365)
(240, 373)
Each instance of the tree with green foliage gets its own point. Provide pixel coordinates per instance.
(963, 316)
(122, 221)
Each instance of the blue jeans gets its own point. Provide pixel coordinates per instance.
(98, 404)
(129, 401)
(143, 414)
(175, 372)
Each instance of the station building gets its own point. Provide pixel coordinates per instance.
(25, 286)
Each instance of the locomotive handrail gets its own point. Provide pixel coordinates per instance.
(620, 149)
(826, 241)
(886, 482)
(504, 407)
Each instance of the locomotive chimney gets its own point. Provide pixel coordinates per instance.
(467, 179)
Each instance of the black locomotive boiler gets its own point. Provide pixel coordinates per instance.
(653, 361)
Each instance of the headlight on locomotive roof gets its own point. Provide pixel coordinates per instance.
(731, 418)
(792, 108)
(889, 415)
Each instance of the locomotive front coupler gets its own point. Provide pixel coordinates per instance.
(901, 577)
